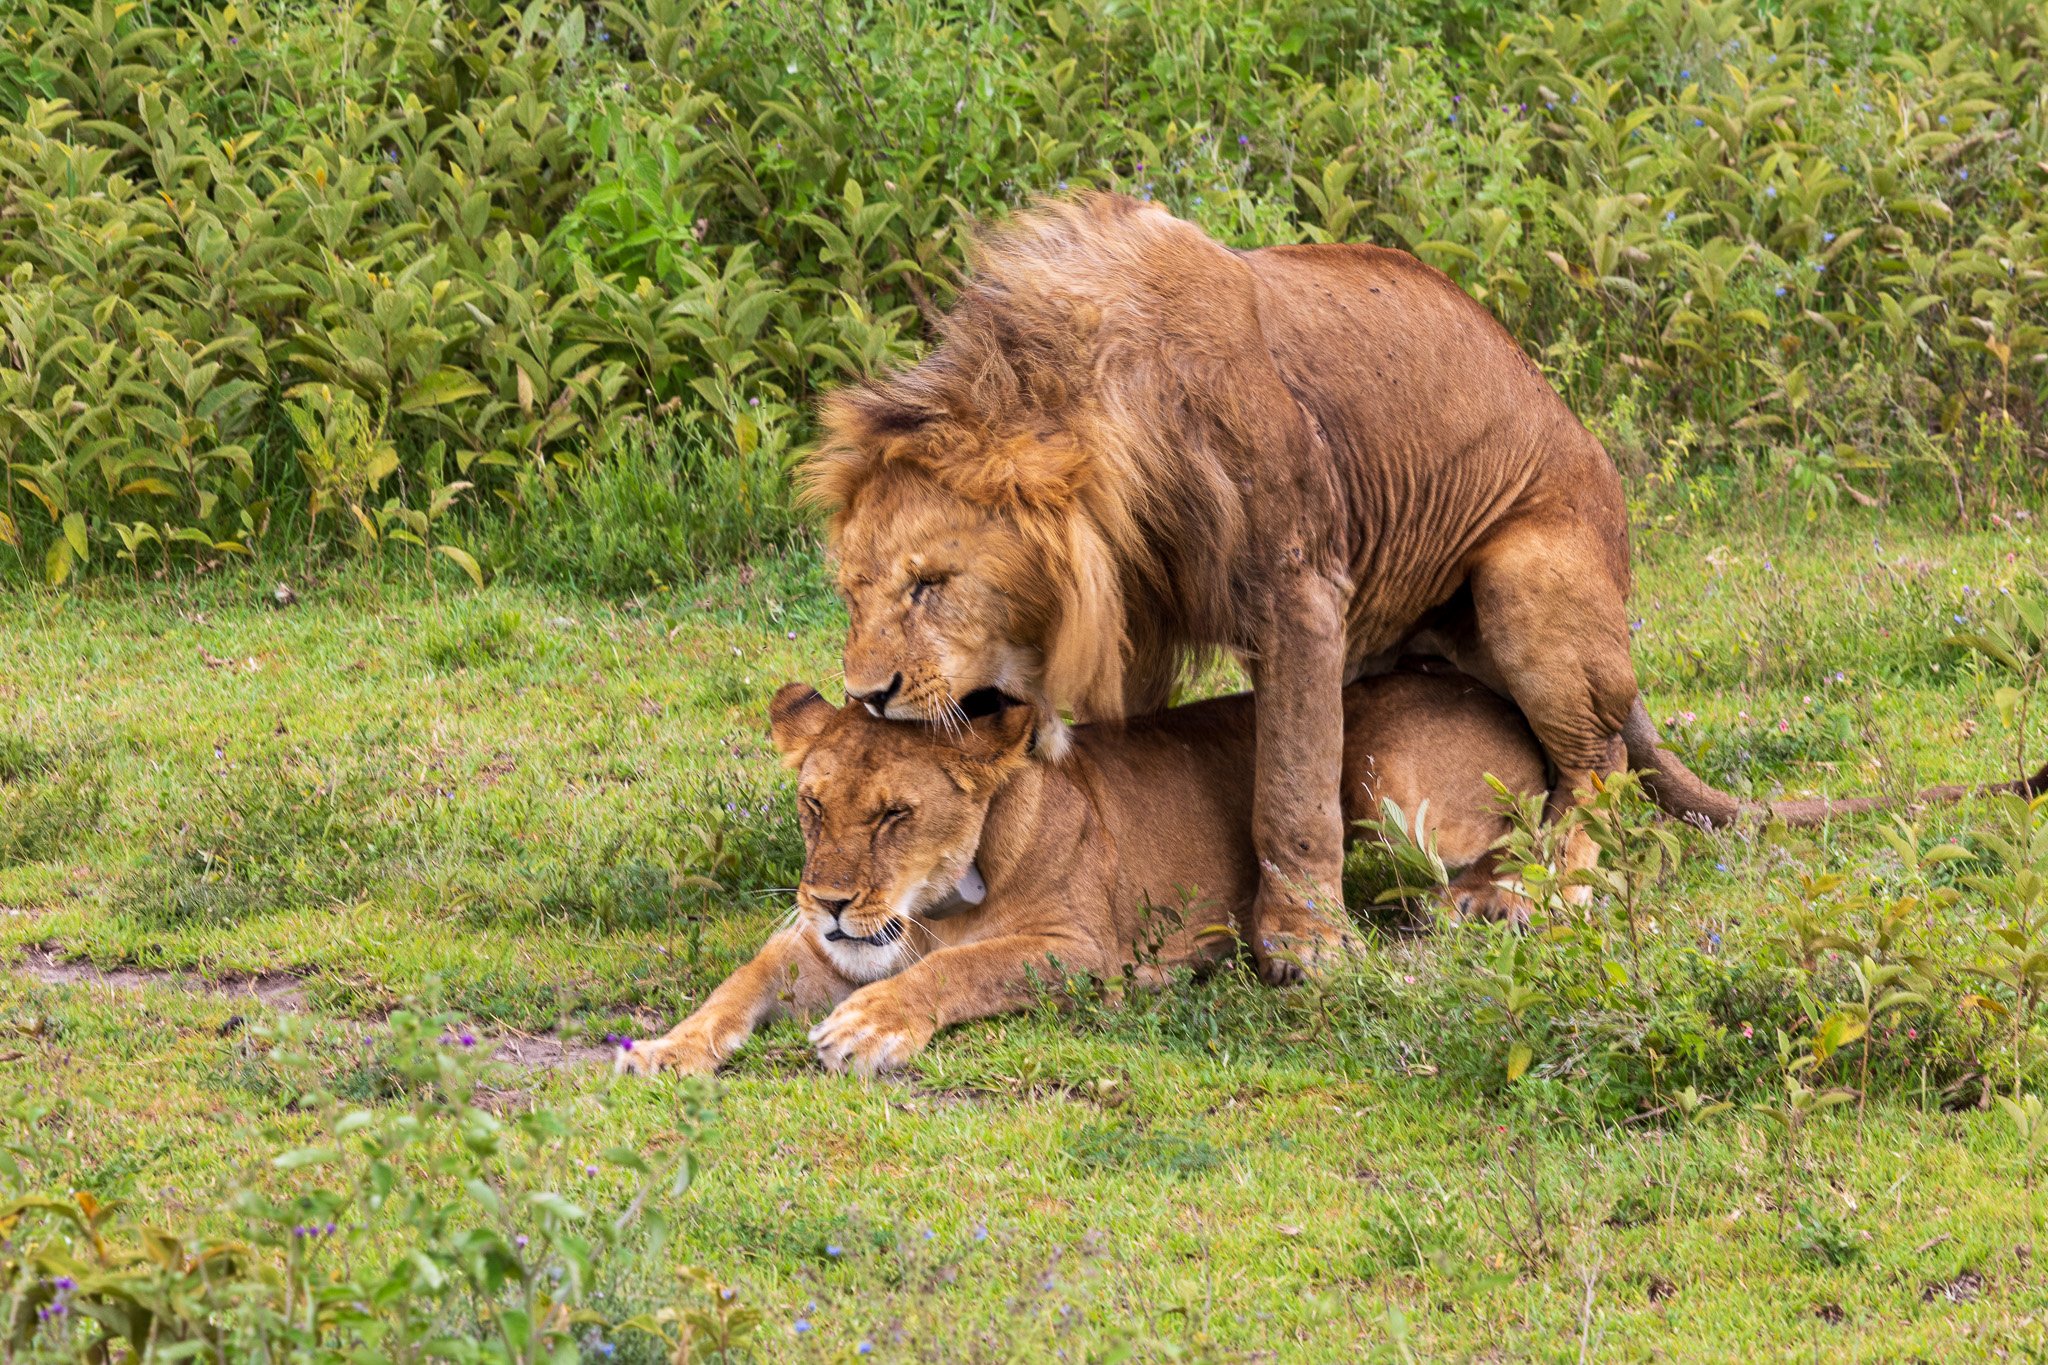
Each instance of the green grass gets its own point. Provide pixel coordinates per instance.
(497, 796)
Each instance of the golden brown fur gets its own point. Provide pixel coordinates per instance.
(1134, 445)
(1143, 837)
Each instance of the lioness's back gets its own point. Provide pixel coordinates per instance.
(1175, 789)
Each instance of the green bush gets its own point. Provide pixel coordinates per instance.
(366, 270)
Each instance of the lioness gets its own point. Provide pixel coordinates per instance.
(943, 868)
(1134, 445)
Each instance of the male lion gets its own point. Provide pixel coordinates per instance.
(1134, 445)
(943, 869)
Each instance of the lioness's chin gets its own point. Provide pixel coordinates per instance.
(864, 962)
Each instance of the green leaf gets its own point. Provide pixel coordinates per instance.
(1519, 1057)
(445, 385)
(57, 563)
(74, 532)
(464, 560)
(303, 1156)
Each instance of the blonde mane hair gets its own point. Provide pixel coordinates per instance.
(1084, 387)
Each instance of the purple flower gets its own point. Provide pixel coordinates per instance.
(467, 1040)
(801, 1326)
(1243, 140)
(1827, 236)
(834, 1249)
(590, 1170)
(981, 1230)
(63, 1284)
(520, 1241)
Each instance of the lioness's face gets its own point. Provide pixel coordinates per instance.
(891, 815)
(926, 580)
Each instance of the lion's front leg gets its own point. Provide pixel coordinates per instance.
(788, 976)
(882, 1026)
(1299, 925)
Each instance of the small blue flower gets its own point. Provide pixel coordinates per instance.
(981, 1231)
(1943, 120)
(1827, 236)
(1670, 216)
(1684, 74)
(1774, 59)
(801, 1326)
(1961, 619)
(1243, 140)
(1720, 867)
(866, 1348)
(1820, 267)
(1695, 123)
(834, 1249)
(1781, 291)
(1770, 191)
(1963, 174)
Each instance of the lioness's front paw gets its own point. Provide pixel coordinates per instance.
(695, 1047)
(871, 1031)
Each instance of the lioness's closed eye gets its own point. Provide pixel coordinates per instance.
(946, 869)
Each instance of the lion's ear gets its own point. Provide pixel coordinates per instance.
(796, 717)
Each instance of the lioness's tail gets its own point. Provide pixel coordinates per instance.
(1679, 791)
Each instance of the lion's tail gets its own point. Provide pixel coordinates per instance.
(1680, 792)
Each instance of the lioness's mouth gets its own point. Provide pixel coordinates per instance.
(881, 938)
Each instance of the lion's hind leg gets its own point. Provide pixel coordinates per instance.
(1550, 621)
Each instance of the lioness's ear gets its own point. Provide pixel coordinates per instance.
(796, 716)
(993, 744)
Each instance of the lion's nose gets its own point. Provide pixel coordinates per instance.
(878, 700)
(831, 905)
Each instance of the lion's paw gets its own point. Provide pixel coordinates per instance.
(1296, 945)
(695, 1047)
(872, 1031)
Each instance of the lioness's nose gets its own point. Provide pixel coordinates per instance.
(831, 905)
(878, 699)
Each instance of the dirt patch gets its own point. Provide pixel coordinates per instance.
(280, 991)
(545, 1053)
(1961, 1289)
(283, 993)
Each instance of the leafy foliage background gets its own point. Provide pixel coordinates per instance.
(399, 272)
